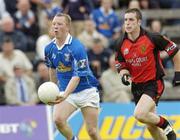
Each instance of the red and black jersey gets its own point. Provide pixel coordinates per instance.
(142, 56)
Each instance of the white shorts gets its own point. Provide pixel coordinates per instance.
(87, 97)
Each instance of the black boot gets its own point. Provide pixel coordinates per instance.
(171, 135)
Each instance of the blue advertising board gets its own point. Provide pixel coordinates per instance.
(117, 123)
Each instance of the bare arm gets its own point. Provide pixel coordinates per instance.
(73, 83)
(176, 79)
(176, 61)
(52, 75)
(69, 89)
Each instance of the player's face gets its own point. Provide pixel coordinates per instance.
(131, 23)
(107, 4)
(59, 26)
(7, 47)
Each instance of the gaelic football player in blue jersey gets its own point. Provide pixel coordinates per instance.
(68, 66)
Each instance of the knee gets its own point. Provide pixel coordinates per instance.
(59, 120)
(140, 116)
(92, 132)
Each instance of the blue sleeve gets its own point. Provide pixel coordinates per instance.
(80, 60)
(48, 53)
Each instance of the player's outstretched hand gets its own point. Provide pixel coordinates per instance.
(176, 79)
(126, 78)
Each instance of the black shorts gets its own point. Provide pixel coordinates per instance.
(154, 89)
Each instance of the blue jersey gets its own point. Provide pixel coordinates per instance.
(70, 60)
(106, 24)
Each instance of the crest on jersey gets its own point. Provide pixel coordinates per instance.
(143, 48)
(67, 57)
(53, 56)
(126, 51)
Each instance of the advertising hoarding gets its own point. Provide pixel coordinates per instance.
(117, 123)
(25, 123)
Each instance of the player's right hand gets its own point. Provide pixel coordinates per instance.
(126, 79)
(59, 99)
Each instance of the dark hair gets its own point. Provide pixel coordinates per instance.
(135, 10)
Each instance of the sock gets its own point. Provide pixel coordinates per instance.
(168, 130)
(163, 123)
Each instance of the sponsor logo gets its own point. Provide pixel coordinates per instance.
(27, 128)
(104, 26)
(62, 68)
(7, 128)
(126, 128)
(82, 63)
(126, 51)
(137, 61)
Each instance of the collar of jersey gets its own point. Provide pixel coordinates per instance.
(67, 41)
(103, 11)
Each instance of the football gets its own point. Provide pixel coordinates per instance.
(48, 92)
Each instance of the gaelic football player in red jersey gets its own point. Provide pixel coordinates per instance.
(138, 61)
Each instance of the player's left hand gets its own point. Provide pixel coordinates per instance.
(176, 79)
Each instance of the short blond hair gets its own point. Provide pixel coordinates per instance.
(66, 16)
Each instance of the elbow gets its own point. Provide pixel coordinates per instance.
(176, 60)
(176, 57)
(77, 78)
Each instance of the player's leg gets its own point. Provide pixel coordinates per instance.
(90, 115)
(61, 113)
(88, 101)
(155, 131)
(167, 128)
(143, 109)
(143, 114)
(146, 97)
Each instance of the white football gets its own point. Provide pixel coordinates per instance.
(48, 92)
